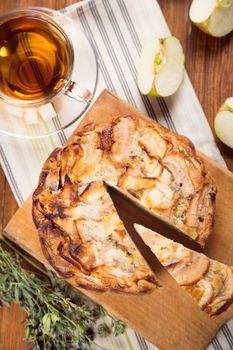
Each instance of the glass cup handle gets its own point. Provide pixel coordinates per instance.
(79, 93)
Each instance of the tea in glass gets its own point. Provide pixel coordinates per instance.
(35, 58)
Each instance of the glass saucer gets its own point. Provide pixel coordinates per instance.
(68, 110)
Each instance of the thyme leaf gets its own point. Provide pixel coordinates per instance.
(57, 318)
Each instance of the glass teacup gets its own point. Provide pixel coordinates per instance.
(37, 58)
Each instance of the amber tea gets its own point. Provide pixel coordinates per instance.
(35, 58)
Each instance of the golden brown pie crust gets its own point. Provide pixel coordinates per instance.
(80, 231)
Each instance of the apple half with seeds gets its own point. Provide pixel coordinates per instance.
(223, 123)
(214, 17)
(161, 67)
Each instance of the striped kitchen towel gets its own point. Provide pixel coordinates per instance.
(117, 30)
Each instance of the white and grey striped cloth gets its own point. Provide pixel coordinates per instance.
(117, 30)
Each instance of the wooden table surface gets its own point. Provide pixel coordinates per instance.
(210, 66)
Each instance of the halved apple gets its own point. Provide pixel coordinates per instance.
(214, 17)
(223, 123)
(161, 67)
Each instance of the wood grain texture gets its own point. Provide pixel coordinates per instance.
(208, 62)
(161, 324)
(210, 69)
(11, 327)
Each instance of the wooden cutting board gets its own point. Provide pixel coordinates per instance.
(168, 316)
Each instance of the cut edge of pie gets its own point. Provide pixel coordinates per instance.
(209, 282)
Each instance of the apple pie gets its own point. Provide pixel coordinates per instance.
(80, 231)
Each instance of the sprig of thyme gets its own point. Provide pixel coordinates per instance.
(54, 321)
(111, 325)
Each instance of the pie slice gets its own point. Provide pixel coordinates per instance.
(208, 281)
(80, 231)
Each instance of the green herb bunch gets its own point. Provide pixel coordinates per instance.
(53, 321)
